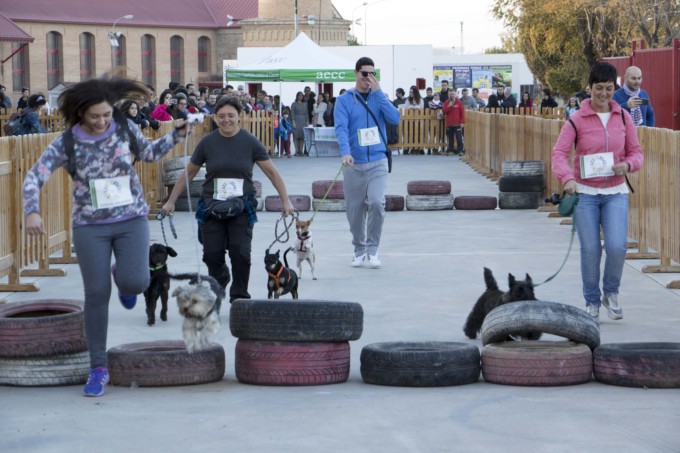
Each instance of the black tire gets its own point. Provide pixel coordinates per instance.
(420, 364)
(394, 203)
(429, 202)
(175, 163)
(291, 362)
(470, 202)
(329, 205)
(171, 177)
(523, 167)
(535, 183)
(319, 189)
(540, 316)
(650, 365)
(428, 187)
(42, 328)
(195, 189)
(537, 363)
(182, 204)
(252, 319)
(164, 363)
(65, 369)
(301, 203)
(519, 200)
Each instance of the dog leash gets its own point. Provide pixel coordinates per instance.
(160, 216)
(327, 192)
(284, 236)
(571, 243)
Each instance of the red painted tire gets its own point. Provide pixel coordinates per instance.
(428, 187)
(291, 363)
(272, 203)
(164, 363)
(394, 203)
(42, 328)
(319, 189)
(649, 365)
(258, 189)
(469, 202)
(537, 363)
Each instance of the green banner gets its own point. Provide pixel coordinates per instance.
(292, 75)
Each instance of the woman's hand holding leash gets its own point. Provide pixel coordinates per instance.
(621, 168)
(570, 187)
(168, 208)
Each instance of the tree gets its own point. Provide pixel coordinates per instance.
(352, 40)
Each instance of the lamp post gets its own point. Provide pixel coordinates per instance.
(366, 5)
(113, 37)
(232, 19)
(296, 20)
(358, 21)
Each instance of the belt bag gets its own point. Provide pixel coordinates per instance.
(227, 209)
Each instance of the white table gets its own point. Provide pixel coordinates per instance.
(321, 141)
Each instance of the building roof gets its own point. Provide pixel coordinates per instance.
(10, 32)
(444, 57)
(147, 13)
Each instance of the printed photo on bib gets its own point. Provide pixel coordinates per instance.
(111, 192)
(369, 136)
(596, 165)
(227, 188)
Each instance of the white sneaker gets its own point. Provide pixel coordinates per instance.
(594, 311)
(611, 303)
(373, 262)
(358, 261)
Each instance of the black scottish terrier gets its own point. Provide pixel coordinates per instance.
(160, 282)
(494, 297)
(282, 280)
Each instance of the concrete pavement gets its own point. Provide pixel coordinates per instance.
(431, 276)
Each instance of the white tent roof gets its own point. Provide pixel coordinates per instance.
(301, 53)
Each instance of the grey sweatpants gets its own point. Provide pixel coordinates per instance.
(365, 186)
(129, 242)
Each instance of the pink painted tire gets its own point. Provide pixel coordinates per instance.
(394, 203)
(258, 189)
(428, 187)
(319, 189)
(537, 363)
(472, 203)
(42, 328)
(291, 363)
(301, 203)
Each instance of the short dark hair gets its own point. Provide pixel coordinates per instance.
(602, 72)
(475, 90)
(36, 100)
(445, 81)
(363, 61)
(25, 89)
(227, 100)
(400, 91)
(546, 91)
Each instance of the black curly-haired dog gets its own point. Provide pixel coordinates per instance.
(494, 297)
(282, 279)
(160, 282)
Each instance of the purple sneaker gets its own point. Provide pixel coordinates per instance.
(99, 377)
(127, 300)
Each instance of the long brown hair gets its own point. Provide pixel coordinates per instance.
(76, 99)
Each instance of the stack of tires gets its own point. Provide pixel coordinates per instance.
(429, 196)
(42, 343)
(294, 343)
(538, 363)
(522, 185)
(334, 200)
(172, 169)
(164, 363)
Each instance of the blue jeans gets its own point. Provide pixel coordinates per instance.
(611, 212)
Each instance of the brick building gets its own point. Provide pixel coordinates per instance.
(157, 41)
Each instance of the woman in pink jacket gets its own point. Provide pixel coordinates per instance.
(607, 148)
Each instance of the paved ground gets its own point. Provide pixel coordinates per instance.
(432, 275)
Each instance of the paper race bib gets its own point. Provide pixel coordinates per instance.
(596, 165)
(110, 192)
(369, 136)
(227, 188)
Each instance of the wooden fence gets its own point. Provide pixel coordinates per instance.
(653, 223)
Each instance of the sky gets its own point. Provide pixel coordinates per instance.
(435, 22)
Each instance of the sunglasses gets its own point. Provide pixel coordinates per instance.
(366, 73)
(182, 103)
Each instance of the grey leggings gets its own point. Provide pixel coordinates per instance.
(129, 241)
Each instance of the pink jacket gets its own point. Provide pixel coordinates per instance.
(619, 138)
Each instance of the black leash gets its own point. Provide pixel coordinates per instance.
(160, 216)
(279, 237)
